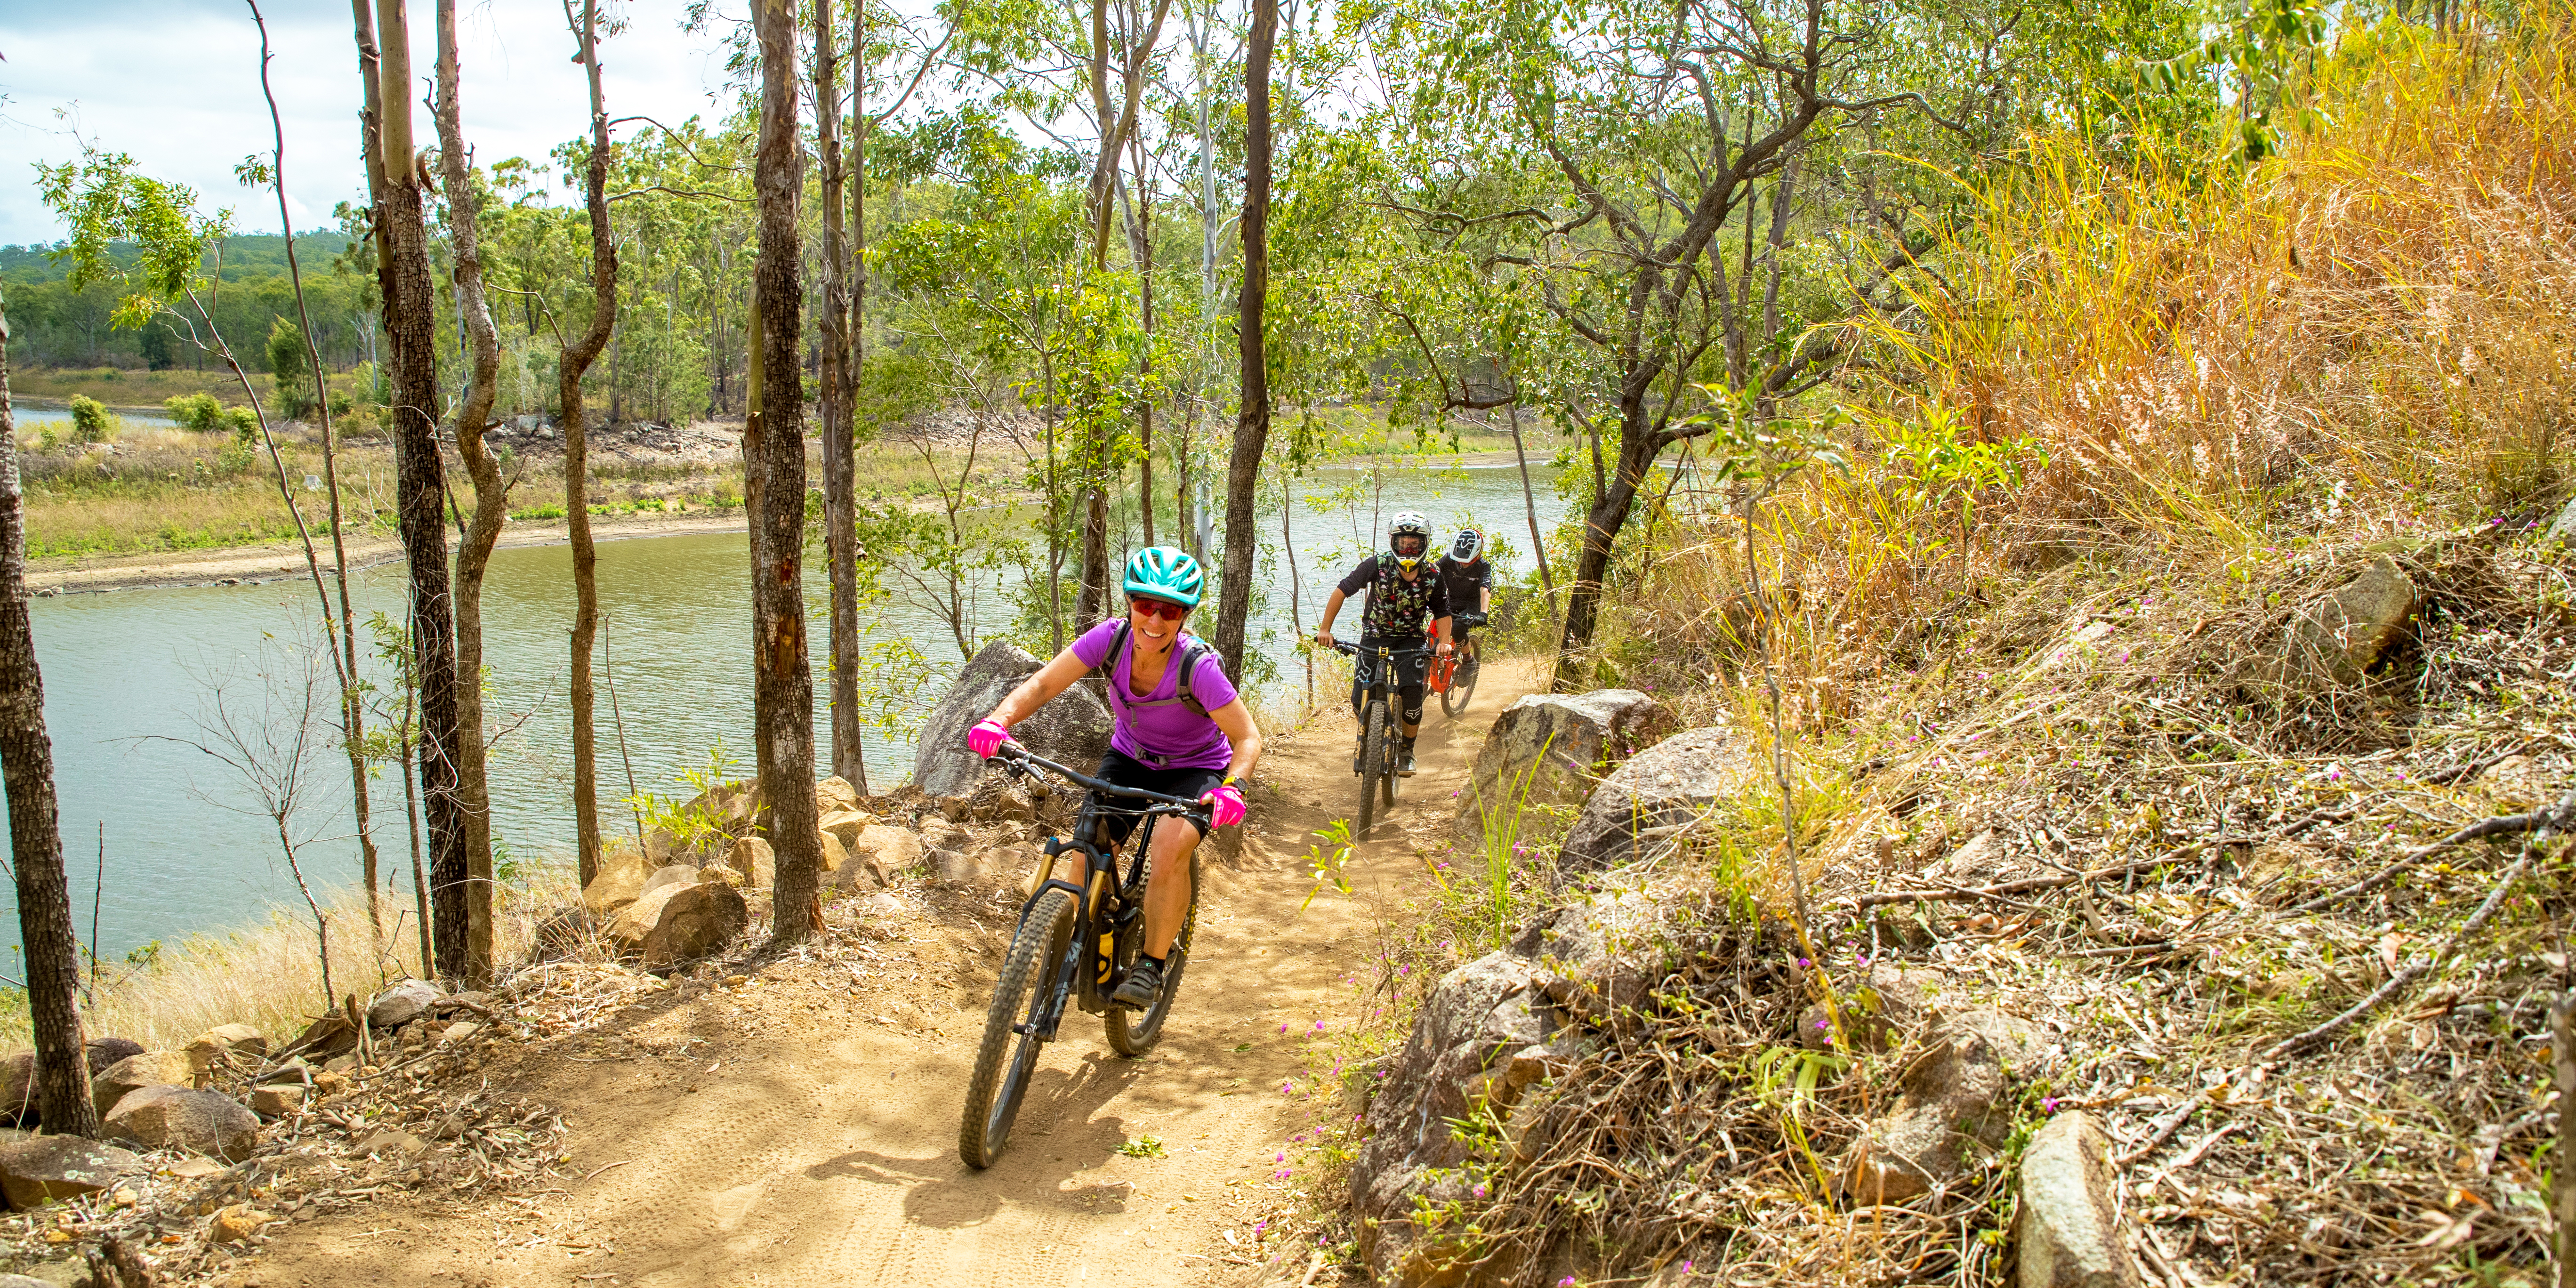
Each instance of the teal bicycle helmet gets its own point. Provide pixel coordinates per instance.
(1165, 573)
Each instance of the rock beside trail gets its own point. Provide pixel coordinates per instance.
(236, 1224)
(1953, 1100)
(103, 1052)
(676, 924)
(619, 880)
(278, 1100)
(41, 1168)
(401, 1004)
(1071, 730)
(1546, 751)
(228, 1040)
(2337, 638)
(1491, 1034)
(135, 1072)
(756, 862)
(201, 1122)
(672, 874)
(886, 850)
(2067, 1231)
(1638, 811)
(834, 794)
(844, 825)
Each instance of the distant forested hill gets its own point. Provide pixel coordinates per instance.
(53, 325)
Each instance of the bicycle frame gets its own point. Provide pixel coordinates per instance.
(1101, 907)
(1382, 676)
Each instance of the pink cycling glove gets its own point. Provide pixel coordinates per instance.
(987, 737)
(1228, 799)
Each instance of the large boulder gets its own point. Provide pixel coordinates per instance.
(1952, 1101)
(674, 925)
(1643, 806)
(673, 874)
(42, 1168)
(1491, 1033)
(2333, 640)
(401, 1004)
(134, 1072)
(1544, 754)
(1072, 730)
(2067, 1230)
(201, 1122)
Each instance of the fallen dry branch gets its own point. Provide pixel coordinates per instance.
(1937, 893)
(2402, 980)
(2544, 821)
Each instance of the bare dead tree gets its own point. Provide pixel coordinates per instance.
(491, 493)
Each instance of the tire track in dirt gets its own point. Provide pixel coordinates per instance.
(802, 1128)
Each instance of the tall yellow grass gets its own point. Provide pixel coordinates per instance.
(2365, 338)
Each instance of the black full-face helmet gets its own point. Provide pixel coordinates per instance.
(1469, 544)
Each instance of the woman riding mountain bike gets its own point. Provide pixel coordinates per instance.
(1181, 730)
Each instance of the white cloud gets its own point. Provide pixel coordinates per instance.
(176, 84)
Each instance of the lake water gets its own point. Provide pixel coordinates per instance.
(38, 415)
(131, 680)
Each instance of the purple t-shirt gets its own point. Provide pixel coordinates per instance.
(1168, 736)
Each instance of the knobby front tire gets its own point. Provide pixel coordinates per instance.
(1375, 772)
(1003, 1065)
(1133, 1033)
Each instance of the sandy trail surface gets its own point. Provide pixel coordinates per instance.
(806, 1130)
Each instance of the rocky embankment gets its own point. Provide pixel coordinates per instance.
(2049, 1008)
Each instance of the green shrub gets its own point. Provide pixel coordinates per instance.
(92, 422)
(199, 412)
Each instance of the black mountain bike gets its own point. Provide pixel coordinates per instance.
(1381, 744)
(1455, 675)
(1076, 940)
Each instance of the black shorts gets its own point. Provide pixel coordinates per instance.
(1409, 667)
(1127, 771)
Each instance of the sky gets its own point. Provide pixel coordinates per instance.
(175, 83)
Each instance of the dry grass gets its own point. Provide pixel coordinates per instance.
(269, 974)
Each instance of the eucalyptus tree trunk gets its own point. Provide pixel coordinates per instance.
(839, 380)
(773, 455)
(35, 837)
(420, 486)
(577, 358)
(491, 500)
(1252, 419)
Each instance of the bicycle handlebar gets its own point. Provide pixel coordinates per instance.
(1355, 650)
(1021, 758)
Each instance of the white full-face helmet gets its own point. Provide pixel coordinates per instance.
(1409, 536)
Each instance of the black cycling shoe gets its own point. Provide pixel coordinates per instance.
(1404, 764)
(1143, 984)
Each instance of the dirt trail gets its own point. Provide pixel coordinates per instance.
(806, 1133)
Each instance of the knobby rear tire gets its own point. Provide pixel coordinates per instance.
(1462, 685)
(1002, 1066)
(1376, 731)
(1132, 1033)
